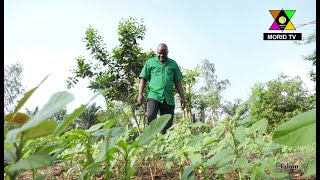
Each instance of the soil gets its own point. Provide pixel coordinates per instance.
(143, 173)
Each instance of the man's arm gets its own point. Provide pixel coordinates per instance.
(180, 92)
(142, 85)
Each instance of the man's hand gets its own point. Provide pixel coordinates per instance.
(142, 84)
(140, 99)
(180, 91)
(183, 103)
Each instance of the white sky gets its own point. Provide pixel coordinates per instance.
(45, 36)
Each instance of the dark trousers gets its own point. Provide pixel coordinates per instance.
(154, 106)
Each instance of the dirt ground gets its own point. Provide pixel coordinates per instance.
(143, 173)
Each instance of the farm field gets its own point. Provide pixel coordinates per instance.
(229, 150)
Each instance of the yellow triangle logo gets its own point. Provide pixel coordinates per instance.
(289, 26)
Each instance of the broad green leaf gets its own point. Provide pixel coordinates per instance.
(220, 130)
(95, 127)
(116, 131)
(57, 101)
(153, 129)
(43, 129)
(172, 157)
(257, 126)
(226, 160)
(105, 146)
(69, 138)
(218, 156)
(27, 96)
(187, 172)
(209, 141)
(242, 162)
(245, 143)
(196, 159)
(271, 147)
(225, 170)
(68, 120)
(94, 167)
(263, 127)
(110, 123)
(16, 118)
(81, 132)
(195, 142)
(298, 131)
(33, 162)
(122, 143)
(259, 140)
(9, 153)
(50, 148)
(212, 151)
(247, 119)
(311, 169)
(240, 134)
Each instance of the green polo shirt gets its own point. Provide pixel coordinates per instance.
(162, 78)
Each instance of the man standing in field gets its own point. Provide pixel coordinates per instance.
(162, 73)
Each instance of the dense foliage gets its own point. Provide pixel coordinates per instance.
(280, 99)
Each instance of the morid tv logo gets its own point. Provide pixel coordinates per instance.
(282, 22)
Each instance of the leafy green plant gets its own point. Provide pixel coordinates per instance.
(112, 147)
(298, 131)
(32, 128)
(226, 148)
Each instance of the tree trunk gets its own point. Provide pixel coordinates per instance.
(202, 114)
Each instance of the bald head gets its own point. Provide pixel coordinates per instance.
(162, 52)
(162, 46)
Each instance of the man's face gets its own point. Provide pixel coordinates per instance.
(162, 54)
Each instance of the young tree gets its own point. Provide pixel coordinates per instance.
(189, 80)
(211, 90)
(13, 89)
(115, 72)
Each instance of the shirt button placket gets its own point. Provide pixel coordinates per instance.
(163, 78)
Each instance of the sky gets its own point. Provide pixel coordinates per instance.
(45, 36)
